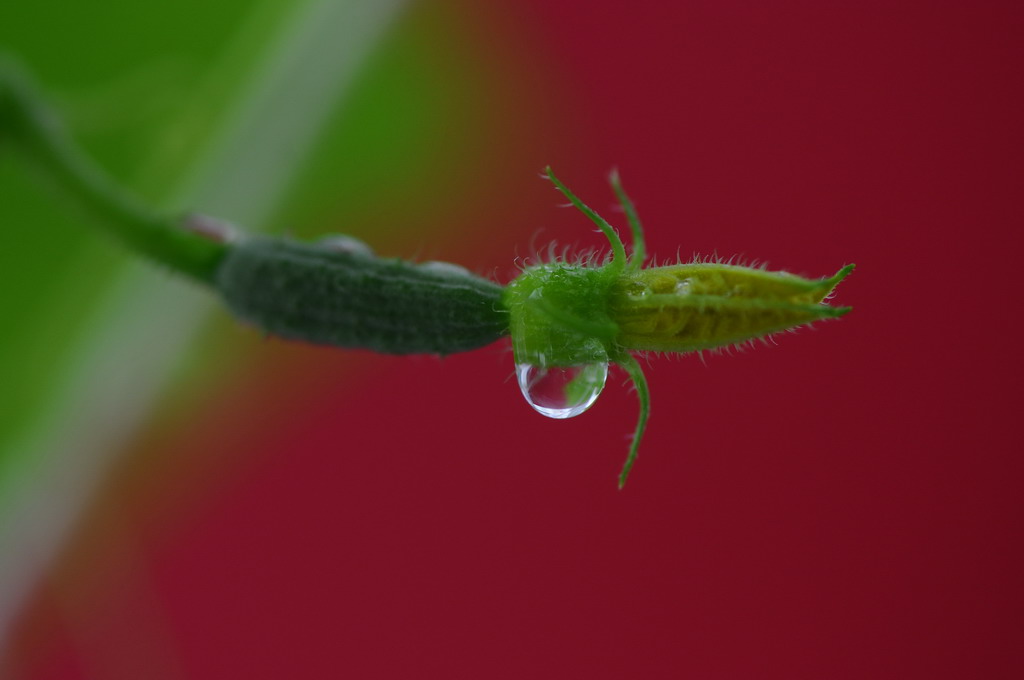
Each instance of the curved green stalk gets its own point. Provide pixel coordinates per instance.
(636, 259)
(618, 250)
(636, 374)
(317, 293)
(31, 127)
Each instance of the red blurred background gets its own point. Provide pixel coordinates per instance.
(844, 505)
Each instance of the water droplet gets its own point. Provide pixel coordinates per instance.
(562, 392)
(637, 289)
(683, 287)
(339, 243)
(444, 268)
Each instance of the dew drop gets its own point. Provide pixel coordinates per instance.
(637, 289)
(339, 243)
(562, 392)
(683, 287)
(444, 268)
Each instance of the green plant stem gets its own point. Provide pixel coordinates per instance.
(300, 291)
(628, 362)
(31, 127)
